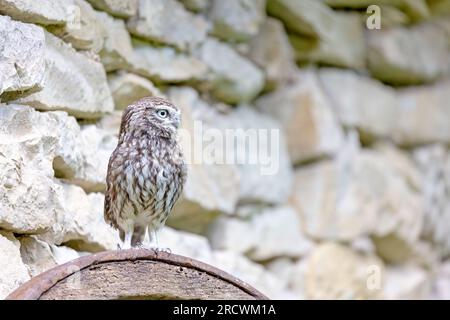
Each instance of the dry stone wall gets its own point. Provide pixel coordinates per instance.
(359, 206)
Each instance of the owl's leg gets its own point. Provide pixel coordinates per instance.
(137, 240)
(152, 238)
(122, 239)
(127, 242)
(126, 235)
(148, 241)
(155, 237)
(155, 242)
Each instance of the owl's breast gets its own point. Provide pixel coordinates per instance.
(150, 179)
(158, 183)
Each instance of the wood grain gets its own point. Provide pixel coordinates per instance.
(135, 274)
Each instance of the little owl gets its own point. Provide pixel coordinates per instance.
(146, 171)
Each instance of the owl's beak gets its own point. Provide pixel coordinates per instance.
(177, 122)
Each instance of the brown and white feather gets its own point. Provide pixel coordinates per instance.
(146, 171)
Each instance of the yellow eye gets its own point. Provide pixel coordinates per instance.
(162, 113)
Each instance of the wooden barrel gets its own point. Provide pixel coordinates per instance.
(134, 274)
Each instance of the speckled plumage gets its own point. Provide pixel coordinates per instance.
(146, 171)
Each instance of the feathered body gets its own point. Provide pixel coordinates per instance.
(146, 171)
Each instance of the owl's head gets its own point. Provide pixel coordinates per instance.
(151, 114)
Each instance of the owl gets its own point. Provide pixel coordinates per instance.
(146, 171)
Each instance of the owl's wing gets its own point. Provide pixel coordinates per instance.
(107, 214)
(110, 196)
(179, 187)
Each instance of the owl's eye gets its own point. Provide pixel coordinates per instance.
(162, 113)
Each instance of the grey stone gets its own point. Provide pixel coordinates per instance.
(13, 271)
(415, 9)
(166, 65)
(211, 188)
(271, 50)
(22, 63)
(237, 20)
(406, 282)
(119, 8)
(361, 192)
(306, 117)
(405, 56)
(80, 83)
(424, 112)
(37, 255)
(168, 22)
(84, 31)
(321, 35)
(81, 226)
(29, 198)
(117, 51)
(127, 88)
(196, 5)
(361, 102)
(259, 237)
(433, 162)
(232, 78)
(334, 271)
(45, 12)
(260, 153)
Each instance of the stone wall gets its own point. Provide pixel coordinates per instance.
(360, 205)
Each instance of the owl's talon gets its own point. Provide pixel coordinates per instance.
(158, 250)
(141, 246)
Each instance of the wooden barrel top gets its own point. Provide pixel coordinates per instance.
(135, 274)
